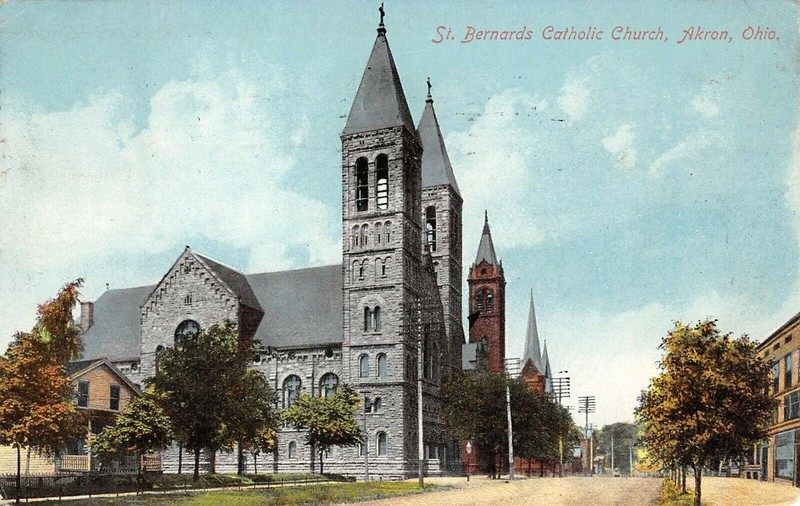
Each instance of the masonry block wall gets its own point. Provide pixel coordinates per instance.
(189, 291)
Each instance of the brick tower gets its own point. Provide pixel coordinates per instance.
(487, 304)
(382, 258)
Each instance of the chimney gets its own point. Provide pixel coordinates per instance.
(87, 315)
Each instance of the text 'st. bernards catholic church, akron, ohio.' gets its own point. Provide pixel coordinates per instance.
(358, 322)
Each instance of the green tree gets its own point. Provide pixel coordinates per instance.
(37, 407)
(253, 417)
(624, 437)
(197, 383)
(328, 421)
(710, 401)
(142, 427)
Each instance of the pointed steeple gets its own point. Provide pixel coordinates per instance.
(380, 101)
(548, 374)
(486, 246)
(532, 341)
(436, 168)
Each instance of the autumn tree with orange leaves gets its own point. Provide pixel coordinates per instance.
(36, 394)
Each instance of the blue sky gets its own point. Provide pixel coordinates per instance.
(628, 183)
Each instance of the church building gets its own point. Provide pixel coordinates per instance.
(357, 322)
(361, 322)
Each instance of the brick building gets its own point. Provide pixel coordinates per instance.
(356, 322)
(777, 457)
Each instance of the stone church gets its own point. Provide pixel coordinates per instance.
(358, 322)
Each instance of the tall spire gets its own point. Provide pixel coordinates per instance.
(436, 168)
(532, 341)
(380, 101)
(486, 246)
(548, 373)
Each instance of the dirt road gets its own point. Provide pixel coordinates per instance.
(601, 491)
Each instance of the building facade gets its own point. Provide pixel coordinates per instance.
(391, 308)
(777, 457)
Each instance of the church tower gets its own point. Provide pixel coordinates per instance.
(535, 362)
(441, 212)
(487, 302)
(382, 258)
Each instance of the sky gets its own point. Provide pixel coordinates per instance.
(629, 183)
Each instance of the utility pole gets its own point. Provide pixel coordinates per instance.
(510, 434)
(612, 455)
(420, 367)
(367, 409)
(630, 458)
(586, 405)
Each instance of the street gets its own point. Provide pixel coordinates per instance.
(594, 491)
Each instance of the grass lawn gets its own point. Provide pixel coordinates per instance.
(307, 494)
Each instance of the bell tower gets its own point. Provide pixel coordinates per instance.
(487, 305)
(382, 258)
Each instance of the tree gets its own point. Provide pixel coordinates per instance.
(36, 394)
(329, 421)
(197, 384)
(253, 418)
(710, 401)
(622, 437)
(142, 427)
(474, 407)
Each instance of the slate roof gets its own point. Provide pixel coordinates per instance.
(436, 167)
(532, 352)
(486, 246)
(235, 280)
(116, 330)
(380, 101)
(301, 308)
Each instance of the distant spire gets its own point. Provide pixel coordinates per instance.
(532, 352)
(486, 246)
(436, 167)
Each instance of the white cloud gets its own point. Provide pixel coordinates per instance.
(695, 147)
(620, 144)
(707, 101)
(210, 161)
(574, 98)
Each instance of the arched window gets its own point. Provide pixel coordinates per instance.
(291, 390)
(381, 444)
(377, 405)
(382, 365)
(292, 450)
(328, 385)
(367, 319)
(364, 235)
(430, 226)
(186, 329)
(489, 300)
(383, 267)
(363, 366)
(378, 233)
(387, 229)
(361, 271)
(376, 319)
(356, 236)
(159, 351)
(479, 301)
(382, 182)
(362, 184)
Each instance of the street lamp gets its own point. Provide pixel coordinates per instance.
(469, 451)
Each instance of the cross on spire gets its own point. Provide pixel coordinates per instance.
(383, 13)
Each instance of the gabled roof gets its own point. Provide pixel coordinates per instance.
(301, 307)
(116, 330)
(380, 101)
(235, 280)
(81, 367)
(436, 168)
(532, 352)
(486, 246)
